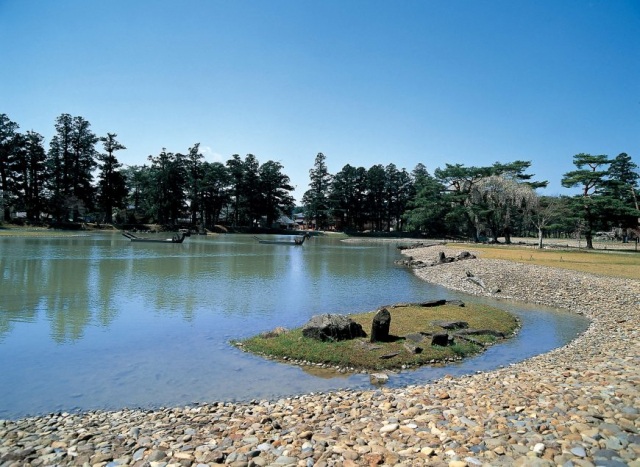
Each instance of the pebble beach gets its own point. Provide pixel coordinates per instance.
(578, 405)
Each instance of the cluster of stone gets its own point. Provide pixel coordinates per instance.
(416, 263)
(576, 406)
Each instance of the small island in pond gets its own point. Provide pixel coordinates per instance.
(393, 337)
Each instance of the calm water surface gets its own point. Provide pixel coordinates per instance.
(100, 322)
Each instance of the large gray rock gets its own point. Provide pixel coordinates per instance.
(451, 324)
(464, 255)
(415, 337)
(380, 326)
(442, 339)
(442, 258)
(332, 327)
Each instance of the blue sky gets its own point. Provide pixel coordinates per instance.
(364, 82)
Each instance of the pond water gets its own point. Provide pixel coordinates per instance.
(100, 322)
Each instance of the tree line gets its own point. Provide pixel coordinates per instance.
(80, 177)
(75, 180)
(478, 202)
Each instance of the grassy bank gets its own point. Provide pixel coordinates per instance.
(360, 353)
(609, 263)
(15, 230)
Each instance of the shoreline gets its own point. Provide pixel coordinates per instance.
(579, 403)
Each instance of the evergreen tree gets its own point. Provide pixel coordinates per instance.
(590, 176)
(216, 192)
(426, 209)
(7, 150)
(195, 173)
(459, 181)
(29, 170)
(167, 177)
(84, 162)
(251, 196)
(391, 193)
(347, 197)
(275, 188)
(316, 198)
(112, 189)
(58, 158)
(623, 187)
(138, 187)
(70, 162)
(235, 169)
(376, 196)
(399, 190)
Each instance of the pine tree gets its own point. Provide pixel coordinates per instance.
(316, 198)
(7, 149)
(112, 190)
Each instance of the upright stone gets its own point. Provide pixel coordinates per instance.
(380, 326)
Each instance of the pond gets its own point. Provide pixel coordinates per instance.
(96, 321)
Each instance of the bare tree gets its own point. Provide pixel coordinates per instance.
(544, 211)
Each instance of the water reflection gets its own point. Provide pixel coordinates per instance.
(82, 281)
(100, 322)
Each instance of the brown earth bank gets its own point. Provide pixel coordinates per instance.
(577, 405)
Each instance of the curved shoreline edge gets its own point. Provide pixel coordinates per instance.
(576, 405)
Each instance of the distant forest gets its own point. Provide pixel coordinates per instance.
(79, 179)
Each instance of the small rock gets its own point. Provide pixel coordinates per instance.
(379, 378)
(578, 451)
(389, 428)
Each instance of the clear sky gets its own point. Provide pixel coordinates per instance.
(364, 82)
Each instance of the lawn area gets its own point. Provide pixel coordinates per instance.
(361, 354)
(605, 262)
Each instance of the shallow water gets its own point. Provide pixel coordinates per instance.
(100, 322)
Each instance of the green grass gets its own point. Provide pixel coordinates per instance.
(291, 345)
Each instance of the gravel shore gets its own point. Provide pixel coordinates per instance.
(576, 406)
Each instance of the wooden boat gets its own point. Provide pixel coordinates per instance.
(297, 241)
(179, 238)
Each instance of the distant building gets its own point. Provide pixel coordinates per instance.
(284, 222)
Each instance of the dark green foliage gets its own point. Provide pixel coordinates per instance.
(257, 191)
(478, 208)
(275, 188)
(622, 186)
(194, 171)
(167, 179)
(376, 199)
(427, 209)
(606, 195)
(316, 198)
(29, 175)
(456, 201)
(112, 190)
(245, 194)
(71, 160)
(347, 198)
(8, 148)
(138, 209)
(215, 192)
